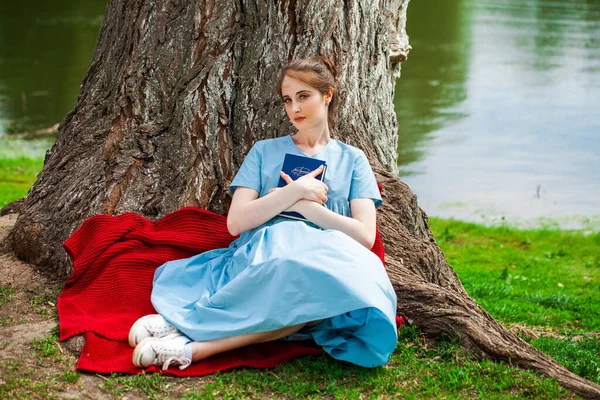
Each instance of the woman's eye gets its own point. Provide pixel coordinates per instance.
(303, 96)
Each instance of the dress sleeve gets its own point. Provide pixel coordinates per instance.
(363, 184)
(249, 174)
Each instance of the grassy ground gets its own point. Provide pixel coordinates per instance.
(542, 277)
(16, 177)
(543, 284)
(20, 162)
(546, 281)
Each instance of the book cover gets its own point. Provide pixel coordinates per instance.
(296, 166)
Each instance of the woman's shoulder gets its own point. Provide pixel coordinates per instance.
(349, 149)
(271, 142)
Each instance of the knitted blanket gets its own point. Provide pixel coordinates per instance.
(114, 259)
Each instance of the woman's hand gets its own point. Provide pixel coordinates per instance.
(310, 188)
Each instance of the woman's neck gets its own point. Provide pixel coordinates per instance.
(313, 137)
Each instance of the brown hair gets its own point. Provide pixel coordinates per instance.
(318, 72)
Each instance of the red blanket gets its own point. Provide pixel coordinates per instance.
(114, 259)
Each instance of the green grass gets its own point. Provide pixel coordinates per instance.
(152, 385)
(47, 350)
(46, 347)
(581, 356)
(21, 382)
(33, 299)
(17, 175)
(44, 304)
(538, 277)
(418, 369)
(6, 294)
(69, 376)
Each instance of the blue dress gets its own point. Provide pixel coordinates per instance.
(287, 272)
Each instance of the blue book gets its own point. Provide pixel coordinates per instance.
(297, 166)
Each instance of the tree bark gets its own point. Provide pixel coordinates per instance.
(177, 93)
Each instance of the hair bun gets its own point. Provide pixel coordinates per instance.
(328, 63)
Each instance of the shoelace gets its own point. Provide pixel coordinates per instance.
(183, 362)
(160, 328)
(168, 355)
(155, 330)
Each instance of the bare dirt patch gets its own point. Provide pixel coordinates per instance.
(32, 362)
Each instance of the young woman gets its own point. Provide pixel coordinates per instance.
(283, 278)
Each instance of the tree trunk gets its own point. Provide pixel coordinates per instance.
(177, 93)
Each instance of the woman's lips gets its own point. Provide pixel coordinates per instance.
(298, 119)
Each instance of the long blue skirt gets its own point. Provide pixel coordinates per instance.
(281, 275)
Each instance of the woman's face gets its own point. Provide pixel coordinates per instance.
(305, 106)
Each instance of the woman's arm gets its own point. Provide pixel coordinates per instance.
(247, 211)
(361, 227)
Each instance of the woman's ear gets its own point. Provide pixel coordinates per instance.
(330, 94)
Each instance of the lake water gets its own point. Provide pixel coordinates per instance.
(498, 104)
(45, 50)
(499, 110)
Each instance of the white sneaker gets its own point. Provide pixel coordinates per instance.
(153, 325)
(162, 351)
